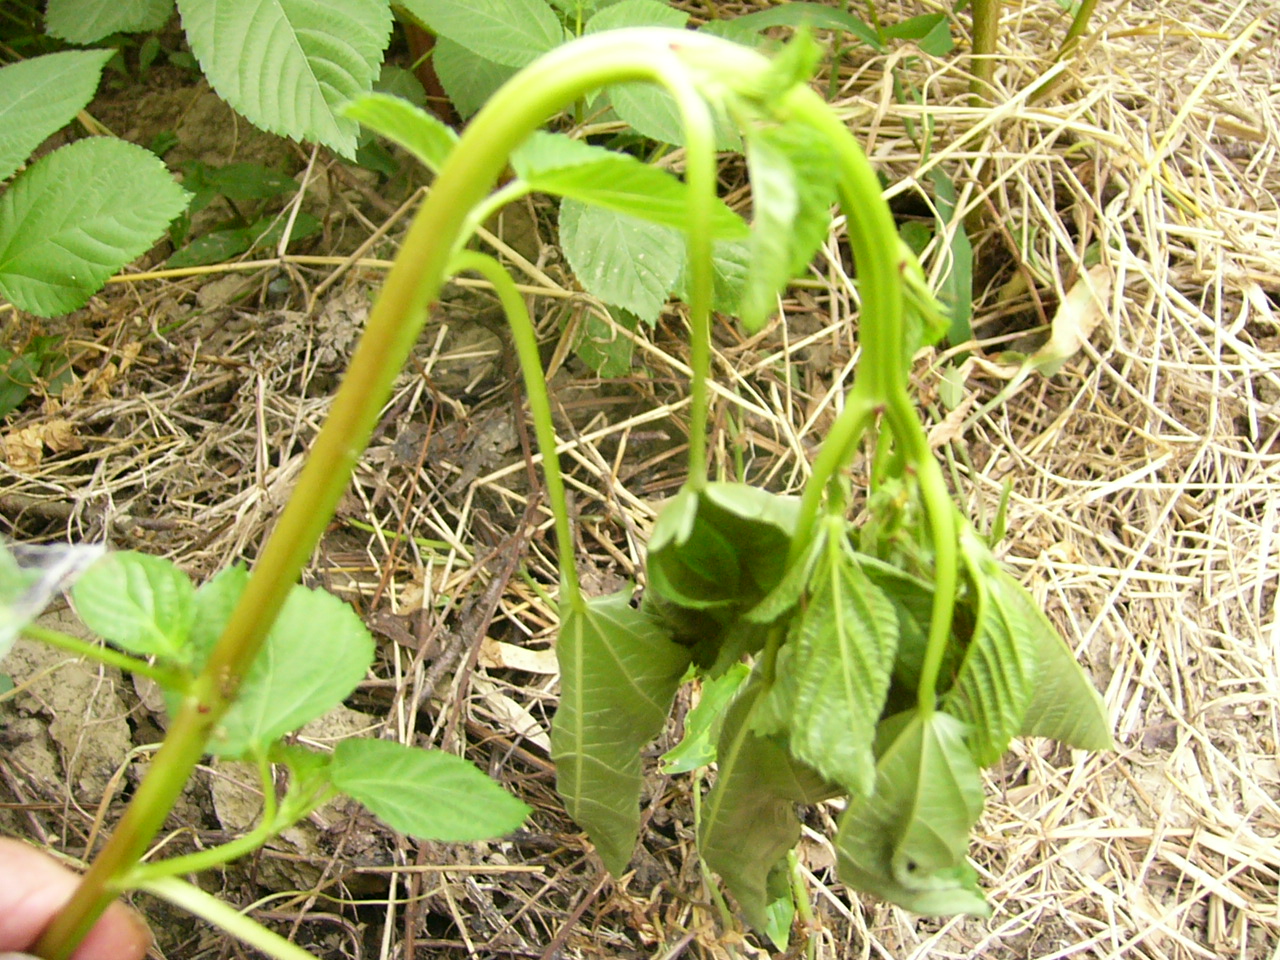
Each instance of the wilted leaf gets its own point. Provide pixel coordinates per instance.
(618, 675)
(1079, 314)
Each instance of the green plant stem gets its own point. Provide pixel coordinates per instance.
(525, 337)
(540, 91)
(982, 64)
(1079, 24)
(248, 931)
(170, 679)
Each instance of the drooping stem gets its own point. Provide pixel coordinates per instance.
(537, 93)
(525, 337)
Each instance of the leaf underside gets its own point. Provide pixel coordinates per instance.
(618, 676)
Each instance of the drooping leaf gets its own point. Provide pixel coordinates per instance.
(614, 181)
(88, 21)
(841, 647)
(427, 794)
(749, 819)
(730, 265)
(956, 288)
(142, 604)
(317, 651)
(508, 32)
(621, 259)
(77, 216)
(618, 675)
(993, 687)
(907, 842)
(288, 65)
(413, 128)
(42, 95)
(1064, 704)
(781, 911)
(468, 78)
(793, 176)
(912, 600)
(702, 724)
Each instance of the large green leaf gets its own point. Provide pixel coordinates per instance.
(993, 687)
(559, 165)
(77, 216)
(395, 118)
(907, 842)
(41, 95)
(840, 657)
(618, 675)
(88, 21)
(140, 603)
(749, 818)
(426, 794)
(288, 65)
(508, 32)
(468, 78)
(623, 260)
(317, 651)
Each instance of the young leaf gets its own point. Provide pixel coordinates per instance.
(749, 820)
(88, 21)
(702, 724)
(993, 688)
(793, 176)
(427, 794)
(142, 604)
(617, 182)
(906, 843)
(841, 648)
(316, 653)
(42, 95)
(288, 65)
(30, 575)
(912, 600)
(413, 128)
(508, 32)
(468, 78)
(618, 675)
(621, 259)
(77, 216)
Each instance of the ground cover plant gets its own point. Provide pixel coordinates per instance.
(891, 658)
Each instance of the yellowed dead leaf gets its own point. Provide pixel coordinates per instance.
(60, 436)
(508, 656)
(24, 449)
(510, 714)
(1079, 314)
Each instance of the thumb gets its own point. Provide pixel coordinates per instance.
(33, 887)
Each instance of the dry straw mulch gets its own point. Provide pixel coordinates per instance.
(1142, 514)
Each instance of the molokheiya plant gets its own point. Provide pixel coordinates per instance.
(160, 626)
(883, 662)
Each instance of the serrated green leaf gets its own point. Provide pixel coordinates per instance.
(621, 259)
(316, 653)
(617, 182)
(42, 95)
(288, 65)
(730, 264)
(912, 600)
(618, 675)
(413, 128)
(508, 32)
(77, 216)
(142, 604)
(702, 724)
(653, 113)
(841, 648)
(215, 599)
(468, 78)
(993, 688)
(88, 21)
(907, 842)
(749, 819)
(427, 794)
